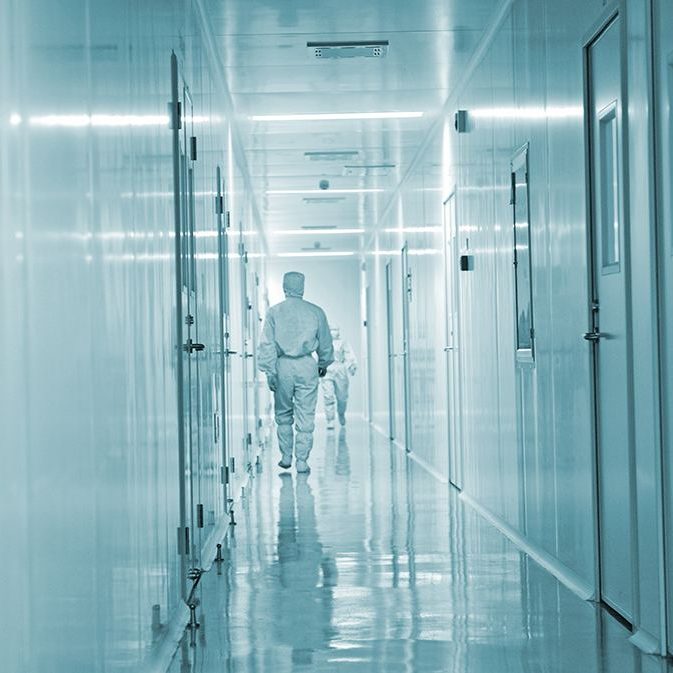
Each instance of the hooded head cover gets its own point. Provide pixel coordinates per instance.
(293, 284)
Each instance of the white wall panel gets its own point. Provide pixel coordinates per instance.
(526, 431)
(89, 412)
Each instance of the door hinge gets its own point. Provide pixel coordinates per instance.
(189, 319)
(192, 148)
(199, 515)
(227, 221)
(232, 465)
(224, 474)
(174, 115)
(249, 439)
(183, 541)
(512, 189)
(219, 205)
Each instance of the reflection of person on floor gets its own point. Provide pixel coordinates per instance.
(305, 574)
(343, 459)
(335, 383)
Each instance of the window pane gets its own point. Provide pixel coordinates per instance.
(609, 189)
(522, 256)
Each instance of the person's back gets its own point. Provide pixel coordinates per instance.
(297, 323)
(293, 331)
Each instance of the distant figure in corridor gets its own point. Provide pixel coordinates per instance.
(336, 381)
(293, 331)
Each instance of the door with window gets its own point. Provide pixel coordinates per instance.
(608, 335)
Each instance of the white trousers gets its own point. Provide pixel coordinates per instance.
(295, 401)
(335, 394)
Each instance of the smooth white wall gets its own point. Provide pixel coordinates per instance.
(88, 384)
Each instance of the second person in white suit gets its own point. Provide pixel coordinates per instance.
(336, 382)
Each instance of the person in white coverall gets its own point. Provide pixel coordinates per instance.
(293, 331)
(335, 383)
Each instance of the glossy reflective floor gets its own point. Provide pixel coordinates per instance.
(371, 564)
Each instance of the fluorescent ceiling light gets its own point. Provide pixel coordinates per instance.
(327, 192)
(335, 116)
(106, 120)
(343, 253)
(15, 119)
(315, 232)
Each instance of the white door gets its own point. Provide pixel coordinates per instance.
(390, 332)
(608, 336)
(406, 300)
(222, 435)
(452, 345)
(663, 23)
(187, 344)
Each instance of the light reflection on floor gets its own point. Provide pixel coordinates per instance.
(370, 564)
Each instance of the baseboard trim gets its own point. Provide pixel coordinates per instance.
(646, 642)
(551, 564)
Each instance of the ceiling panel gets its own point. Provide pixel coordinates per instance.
(270, 70)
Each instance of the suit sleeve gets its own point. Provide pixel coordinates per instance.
(325, 347)
(267, 354)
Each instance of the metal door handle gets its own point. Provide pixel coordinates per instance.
(594, 336)
(249, 355)
(448, 348)
(228, 352)
(190, 346)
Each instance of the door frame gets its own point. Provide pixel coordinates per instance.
(453, 407)
(609, 15)
(390, 343)
(175, 125)
(406, 344)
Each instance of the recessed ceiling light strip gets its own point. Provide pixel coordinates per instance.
(334, 116)
(365, 190)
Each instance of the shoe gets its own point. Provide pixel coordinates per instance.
(330, 425)
(342, 419)
(302, 467)
(285, 463)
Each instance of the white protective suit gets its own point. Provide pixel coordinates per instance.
(335, 383)
(293, 331)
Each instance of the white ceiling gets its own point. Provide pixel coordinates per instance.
(270, 70)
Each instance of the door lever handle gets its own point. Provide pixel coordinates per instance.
(190, 346)
(594, 336)
(448, 348)
(228, 352)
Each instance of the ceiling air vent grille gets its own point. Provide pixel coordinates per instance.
(364, 170)
(314, 200)
(332, 155)
(370, 49)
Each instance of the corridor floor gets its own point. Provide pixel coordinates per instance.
(371, 564)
